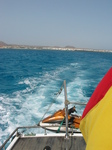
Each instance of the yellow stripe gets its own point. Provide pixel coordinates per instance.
(96, 126)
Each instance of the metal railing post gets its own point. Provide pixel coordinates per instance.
(45, 132)
(66, 109)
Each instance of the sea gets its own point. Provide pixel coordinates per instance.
(30, 82)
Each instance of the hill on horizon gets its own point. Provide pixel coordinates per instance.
(2, 43)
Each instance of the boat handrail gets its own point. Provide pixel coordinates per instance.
(25, 127)
(78, 103)
(16, 130)
(3, 145)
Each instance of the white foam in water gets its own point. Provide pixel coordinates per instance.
(75, 65)
(1, 108)
(27, 106)
(75, 90)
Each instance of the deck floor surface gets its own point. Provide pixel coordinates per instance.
(50, 143)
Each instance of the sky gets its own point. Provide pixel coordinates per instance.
(78, 23)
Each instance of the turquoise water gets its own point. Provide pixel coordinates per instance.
(30, 78)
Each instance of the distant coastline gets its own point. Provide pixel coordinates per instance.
(67, 48)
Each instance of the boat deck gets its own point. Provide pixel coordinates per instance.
(57, 142)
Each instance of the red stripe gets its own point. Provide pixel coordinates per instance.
(99, 92)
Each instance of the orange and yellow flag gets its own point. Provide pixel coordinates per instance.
(96, 123)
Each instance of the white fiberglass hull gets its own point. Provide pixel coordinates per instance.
(55, 127)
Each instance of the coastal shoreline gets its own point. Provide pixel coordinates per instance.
(67, 48)
(53, 48)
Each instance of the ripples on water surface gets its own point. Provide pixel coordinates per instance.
(29, 80)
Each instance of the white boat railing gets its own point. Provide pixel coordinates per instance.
(13, 133)
(77, 103)
(17, 133)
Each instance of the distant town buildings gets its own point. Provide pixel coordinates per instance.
(67, 48)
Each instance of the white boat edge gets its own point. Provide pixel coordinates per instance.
(55, 127)
(42, 135)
